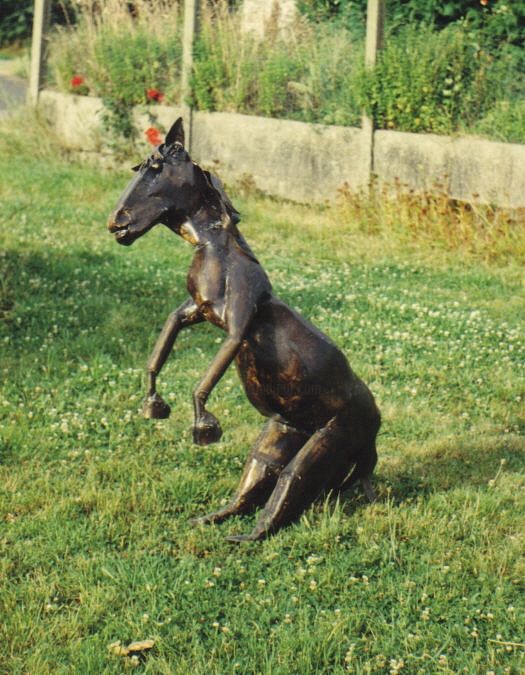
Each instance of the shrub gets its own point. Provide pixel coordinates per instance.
(499, 21)
(17, 18)
(430, 81)
(504, 122)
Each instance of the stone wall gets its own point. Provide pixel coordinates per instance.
(302, 162)
(311, 162)
(467, 168)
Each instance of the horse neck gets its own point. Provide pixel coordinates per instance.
(214, 226)
(206, 217)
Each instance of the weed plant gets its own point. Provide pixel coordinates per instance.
(432, 219)
(95, 544)
(432, 81)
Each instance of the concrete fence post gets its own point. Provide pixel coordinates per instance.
(375, 28)
(191, 12)
(38, 49)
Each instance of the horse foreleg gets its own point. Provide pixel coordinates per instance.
(239, 313)
(185, 315)
(206, 427)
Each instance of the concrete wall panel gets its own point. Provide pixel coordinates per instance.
(294, 160)
(469, 168)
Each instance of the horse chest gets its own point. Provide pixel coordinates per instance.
(206, 284)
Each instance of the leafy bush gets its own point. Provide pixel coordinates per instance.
(17, 18)
(431, 81)
(499, 21)
(504, 122)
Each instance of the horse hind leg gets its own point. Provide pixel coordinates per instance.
(322, 462)
(272, 451)
(362, 472)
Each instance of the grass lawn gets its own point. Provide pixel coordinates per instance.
(95, 544)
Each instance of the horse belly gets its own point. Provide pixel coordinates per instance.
(271, 385)
(291, 370)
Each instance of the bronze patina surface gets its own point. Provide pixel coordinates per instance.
(323, 420)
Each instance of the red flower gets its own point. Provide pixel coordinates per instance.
(153, 136)
(155, 95)
(77, 81)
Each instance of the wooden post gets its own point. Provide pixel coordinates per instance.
(40, 27)
(375, 27)
(191, 10)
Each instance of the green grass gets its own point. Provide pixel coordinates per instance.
(95, 544)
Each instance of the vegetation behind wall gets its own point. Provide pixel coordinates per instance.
(442, 70)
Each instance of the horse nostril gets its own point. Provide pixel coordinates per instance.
(119, 220)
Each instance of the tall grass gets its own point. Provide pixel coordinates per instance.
(306, 73)
(433, 220)
(120, 51)
(120, 55)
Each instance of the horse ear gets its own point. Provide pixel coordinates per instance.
(176, 133)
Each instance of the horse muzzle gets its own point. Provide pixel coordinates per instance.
(118, 224)
(119, 220)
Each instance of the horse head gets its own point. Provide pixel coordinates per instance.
(170, 189)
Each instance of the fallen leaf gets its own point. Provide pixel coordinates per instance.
(117, 649)
(133, 648)
(142, 646)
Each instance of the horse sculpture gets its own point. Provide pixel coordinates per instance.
(322, 418)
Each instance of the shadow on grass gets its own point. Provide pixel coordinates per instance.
(448, 467)
(81, 292)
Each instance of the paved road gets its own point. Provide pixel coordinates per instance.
(12, 93)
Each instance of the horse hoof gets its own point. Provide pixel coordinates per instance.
(239, 538)
(155, 408)
(201, 520)
(207, 430)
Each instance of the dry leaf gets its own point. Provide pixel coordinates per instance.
(117, 649)
(133, 648)
(142, 646)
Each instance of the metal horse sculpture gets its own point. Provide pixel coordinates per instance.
(322, 418)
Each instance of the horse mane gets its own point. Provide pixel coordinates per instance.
(233, 217)
(215, 184)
